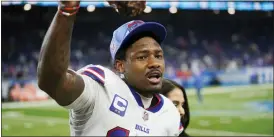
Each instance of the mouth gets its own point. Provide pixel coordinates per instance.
(154, 77)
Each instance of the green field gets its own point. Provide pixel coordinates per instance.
(241, 110)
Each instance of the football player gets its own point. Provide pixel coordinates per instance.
(100, 102)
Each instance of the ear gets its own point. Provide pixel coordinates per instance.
(119, 66)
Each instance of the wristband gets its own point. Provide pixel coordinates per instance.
(68, 11)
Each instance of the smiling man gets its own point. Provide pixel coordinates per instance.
(100, 102)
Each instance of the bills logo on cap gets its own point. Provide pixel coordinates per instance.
(134, 24)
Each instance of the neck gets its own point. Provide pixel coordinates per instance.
(146, 101)
(143, 93)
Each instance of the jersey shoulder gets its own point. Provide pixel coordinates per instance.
(168, 105)
(99, 73)
(174, 116)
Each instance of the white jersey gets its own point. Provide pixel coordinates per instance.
(108, 107)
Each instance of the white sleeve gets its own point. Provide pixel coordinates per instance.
(92, 87)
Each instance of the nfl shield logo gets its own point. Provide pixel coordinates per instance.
(145, 116)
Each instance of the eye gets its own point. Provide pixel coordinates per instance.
(175, 104)
(141, 57)
(159, 56)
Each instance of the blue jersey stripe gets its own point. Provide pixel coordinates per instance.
(94, 77)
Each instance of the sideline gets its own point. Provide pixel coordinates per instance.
(207, 90)
(205, 132)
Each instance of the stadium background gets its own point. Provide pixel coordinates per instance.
(229, 43)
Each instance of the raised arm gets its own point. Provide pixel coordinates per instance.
(54, 77)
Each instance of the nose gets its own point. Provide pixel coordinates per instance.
(153, 63)
(181, 111)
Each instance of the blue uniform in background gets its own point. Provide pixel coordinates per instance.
(198, 84)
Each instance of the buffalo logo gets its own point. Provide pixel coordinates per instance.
(134, 24)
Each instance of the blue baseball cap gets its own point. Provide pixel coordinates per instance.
(124, 33)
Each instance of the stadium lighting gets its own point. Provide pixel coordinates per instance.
(27, 7)
(15, 2)
(4, 3)
(90, 8)
(33, 2)
(174, 3)
(257, 6)
(173, 10)
(148, 9)
(203, 4)
(231, 4)
(231, 11)
(106, 4)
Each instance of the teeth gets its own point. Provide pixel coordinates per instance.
(154, 75)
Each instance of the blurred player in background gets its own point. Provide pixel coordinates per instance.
(177, 95)
(100, 102)
(198, 80)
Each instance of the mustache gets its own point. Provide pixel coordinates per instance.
(154, 71)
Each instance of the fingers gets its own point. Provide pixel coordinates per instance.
(128, 8)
